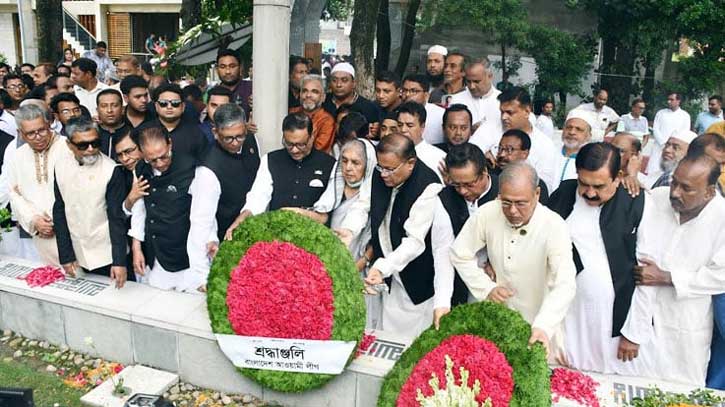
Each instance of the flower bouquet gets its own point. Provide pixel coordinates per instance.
(480, 355)
(285, 276)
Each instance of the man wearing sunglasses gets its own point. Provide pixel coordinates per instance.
(293, 176)
(220, 185)
(89, 190)
(186, 136)
(400, 207)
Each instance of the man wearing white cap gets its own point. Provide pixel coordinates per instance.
(434, 64)
(673, 152)
(342, 92)
(576, 133)
(667, 121)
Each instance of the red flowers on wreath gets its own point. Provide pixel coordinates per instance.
(481, 358)
(575, 386)
(279, 290)
(42, 276)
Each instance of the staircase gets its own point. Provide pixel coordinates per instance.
(77, 37)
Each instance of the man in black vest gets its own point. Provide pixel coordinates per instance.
(161, 219)
(603, 220)
(515, 146)
(220, 186)
(401, 206)
(294, 176)
(470, 186)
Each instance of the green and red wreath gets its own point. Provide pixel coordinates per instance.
(483, 349)
(285, 276)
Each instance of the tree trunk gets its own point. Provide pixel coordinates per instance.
(504, 69)
(50, 31)
(297, 28)
(190, 13)
(362, 45)
(408, 35)
(383, 35)
(648, 88)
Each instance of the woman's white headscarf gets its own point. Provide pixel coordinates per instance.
(334, 194)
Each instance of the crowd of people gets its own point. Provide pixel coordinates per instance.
(616, 258)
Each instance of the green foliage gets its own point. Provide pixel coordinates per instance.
(484, 319)
(658, 398)
(3, 58)
(48, 389)
(284, 226)
(236, 11)
(562, 60)
(338, 10)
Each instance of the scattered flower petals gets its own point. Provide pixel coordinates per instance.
(42, 276)
(280, 291)
(575, 386)
(365, 343)
(483, 360)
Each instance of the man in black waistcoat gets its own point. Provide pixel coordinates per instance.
(603, 221)
(401, 205)
(161, 219)
(220, 186)
(470, 186)
(294, 176)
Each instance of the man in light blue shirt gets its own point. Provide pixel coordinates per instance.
(713, 115)
(104, 65)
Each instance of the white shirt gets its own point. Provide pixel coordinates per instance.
(543, 156)
(545, 124)
(433, 132)
(534, 260)
(483, 109)
(260, 195)
(605, 116)
(666, 122)
(629, 123)
(8, 124)
(88, 98)
(430, 155)
(565, 169)
(205, 191)
(678, 320)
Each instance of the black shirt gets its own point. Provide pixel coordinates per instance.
(361, 105)
(108, 137)
(186, 137)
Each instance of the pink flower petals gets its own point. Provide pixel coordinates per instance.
(365, 343)
(575, 386)
(280, 291)
(42, 276)
(480, 357)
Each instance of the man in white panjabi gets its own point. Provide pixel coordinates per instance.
(30, 178)
(480, 95)
(682, 265)
(529, 250)
(603, 220)
(400, 204)
(667, 121)
(576, 133)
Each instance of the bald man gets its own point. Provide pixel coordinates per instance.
(529, 250)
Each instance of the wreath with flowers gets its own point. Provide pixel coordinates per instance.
(285, 276)
(479, 357)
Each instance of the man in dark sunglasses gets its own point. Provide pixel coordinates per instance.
(89, 190)
(186, 136)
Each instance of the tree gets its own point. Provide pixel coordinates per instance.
(504, 22)
(382, 52)
(408, 34)
(562, 61)
(190, 13)
(50, 32)
(362, 39)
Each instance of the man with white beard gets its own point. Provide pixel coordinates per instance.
(673, 151)
(576, 133)
(89, 191)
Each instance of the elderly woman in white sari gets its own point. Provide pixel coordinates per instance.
(353, 170)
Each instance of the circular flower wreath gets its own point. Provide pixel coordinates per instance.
(285, 276)
(503, 330)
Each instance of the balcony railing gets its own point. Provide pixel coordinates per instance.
(77, 31)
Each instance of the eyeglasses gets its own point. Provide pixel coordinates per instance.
(36, 134)
(71, 112)
(126, 152)
(19, 86)
(83, 145)
(386, 171)
(165, 103)
(505, 149)
(159, 159)
(467, 185)
(517, 204)
(412, 91)
(231, 139)
(299, 146)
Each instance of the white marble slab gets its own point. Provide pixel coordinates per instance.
(140, 379)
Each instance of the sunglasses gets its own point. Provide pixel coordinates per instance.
(83, 145)
(174, 103)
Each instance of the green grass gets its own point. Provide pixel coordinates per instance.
(48, 389)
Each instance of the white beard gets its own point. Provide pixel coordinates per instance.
(89, 159)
